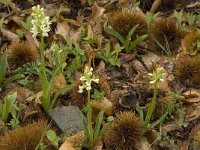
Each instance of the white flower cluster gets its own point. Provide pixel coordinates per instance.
(40, 22)
(157, 75)
(87, 79)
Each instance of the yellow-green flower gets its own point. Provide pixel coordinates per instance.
(87, 79)
(40, 22)
(157, 75)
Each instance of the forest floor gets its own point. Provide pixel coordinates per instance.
(100, 74)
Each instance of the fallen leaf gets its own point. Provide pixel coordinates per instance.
(97, 144)
(193, 112)
(96, 13)
(68, 144)
(60, 82)
(9, 35)
(62, 28)
(103, 104)
(35, 97)
(149, 59)
(124, 57)
(192, 96)
(171, 126)
(23, 93)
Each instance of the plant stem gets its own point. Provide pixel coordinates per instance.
(42, 47)
(43, 135)
(43, 77)
(89, 118)
(151, 108)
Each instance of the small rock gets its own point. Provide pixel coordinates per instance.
(67, 118)
(150, 58)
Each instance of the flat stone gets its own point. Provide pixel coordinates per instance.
(67, 118)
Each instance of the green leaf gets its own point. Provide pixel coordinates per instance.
(51, 135)
(140, 111)
(110, 118)
(27, 83)
(1, 109)
(148, 18)
(86, 127)
(130, 33)
(97, 95)
(8, 103)
(20, 33)
(160, 120)
(107, 50)
(105, 126)
(43, 80)
(13, 78)
(98, 124)
(114, 33)
(1, 22)
(69, 42)
(115, 61)
(3, 66)
(137, 41)
(117, 50)
(60, 91)
(27, 25)
(178, 16)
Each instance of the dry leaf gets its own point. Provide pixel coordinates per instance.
(96, 13)
(137, 65)
(60, 82)
(192, 96)
(103, 104)
(68, 144)
(124, 57)
(23, 93)
(194, 131)
(91, 54)
(123, 1)
(9, 35)
(36, 97)
(193, 112)
(30, 39)
(97, 144)
(171, 126)
(150, 58)
(188, 41)
(62, 28)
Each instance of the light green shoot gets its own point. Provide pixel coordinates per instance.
(128, 44)
(3, 66)
(179, 17)
(89, 2)
(111, 56)
(156, 76)
(8, 105)
(165, 48)
(149, 17)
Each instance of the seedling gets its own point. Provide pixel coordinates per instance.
(3, 66)
(128, 44)
(8, 106)
(156, 77)
(41, 27)
(111, 56)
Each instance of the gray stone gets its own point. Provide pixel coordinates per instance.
(67, 118)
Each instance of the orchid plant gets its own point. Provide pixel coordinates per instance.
(92, 133)
(156, 77)
(40, 27)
